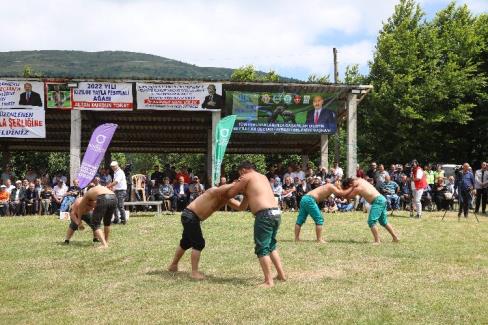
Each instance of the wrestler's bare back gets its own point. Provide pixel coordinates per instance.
(365, 189)
(257, 190)
(210, 201)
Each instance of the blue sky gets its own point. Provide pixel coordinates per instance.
(294, 38)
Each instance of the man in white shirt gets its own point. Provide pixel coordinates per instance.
(119, 186)
(9, 186)
(338, 172)
(481, 186)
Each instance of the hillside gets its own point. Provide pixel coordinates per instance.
(109, 64)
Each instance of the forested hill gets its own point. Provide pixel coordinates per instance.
(109, 64)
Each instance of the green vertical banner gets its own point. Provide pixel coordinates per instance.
(222, 137)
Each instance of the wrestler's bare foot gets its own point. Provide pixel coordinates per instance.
(280, 278)
(396, 240)
(376, 243)
(173, 268)
(197, 276)
(297, 240)
(102, 247)
(320, 241)
(266, 285)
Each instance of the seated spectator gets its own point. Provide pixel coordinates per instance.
(196, 188)
(398, 176)
(4, 198)
(441, 195)
(359, 172)
(59, 191)
(390, 189)
(182, 193)
(17, 200)
(184, 173)
(426, 199)
(380, 177)
(301, 189)
(155, 191)
(32, 199)
(330, 205)
(405, 192)
(70, 196)
(344, 205)
(276, 188)
(167, 193)
(105, 177)
(9, 186)
(288, 195)
(223, 181)
(25, 184)
(46, 198)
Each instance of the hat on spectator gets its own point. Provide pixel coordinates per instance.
(18, 182)
(3, 186)
(114, 163)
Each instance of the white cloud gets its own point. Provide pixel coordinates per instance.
(282, 35)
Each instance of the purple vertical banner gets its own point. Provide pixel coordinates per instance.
(95, 151)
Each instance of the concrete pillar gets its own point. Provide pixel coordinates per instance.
(211, 146)
(337, 143)
(352, 141)
(305, 160)
(75, 144)
(324, 151)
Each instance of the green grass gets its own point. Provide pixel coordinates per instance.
(437, 274)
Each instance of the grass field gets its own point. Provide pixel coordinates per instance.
(437, 274)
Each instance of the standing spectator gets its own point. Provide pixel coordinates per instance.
(155, 191)
(4, 198)
(289, 194)
(465, 186)
(182, 193)
(8, 174)
(167, 172)
(398, 176)
(17, 200)
(32, 199)
(359, 172)
(481, 186)
(276, 188)
(157, 175)
(70, 196)
(390, 190)
(271, 171)
(439, 173)
(371, 173)
(338, 172)
(299, 173)
(429, 174)
(119, 186)
(196, 188)
(46, 199)
(234, 174)
(59, 191)
(392, 170)
(420, 183)
(30, 175)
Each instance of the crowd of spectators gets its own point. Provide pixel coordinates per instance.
(39, 193)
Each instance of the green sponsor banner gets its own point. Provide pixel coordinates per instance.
(222, 137)
(283, 112)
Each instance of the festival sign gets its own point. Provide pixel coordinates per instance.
(58, 95)
(290, 113)
(102, 96)
(22, 123)
(181, 96)
(21, 109)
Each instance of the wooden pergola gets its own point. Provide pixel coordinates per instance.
(158, 131)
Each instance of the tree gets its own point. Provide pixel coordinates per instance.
(249, 73)
(427, 83)
(316, 79)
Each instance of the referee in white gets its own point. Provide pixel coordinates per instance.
(119, 186)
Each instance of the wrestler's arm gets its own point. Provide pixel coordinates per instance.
(239, 206)
(343, 193)
(238, 186)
